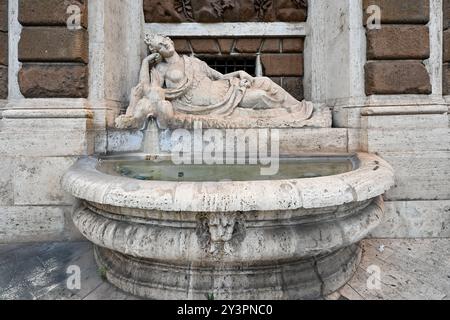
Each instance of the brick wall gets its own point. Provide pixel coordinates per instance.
(54, 57)
(446, 48)
(395, 53)
(3, 49)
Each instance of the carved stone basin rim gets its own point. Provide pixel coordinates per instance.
(372, 177)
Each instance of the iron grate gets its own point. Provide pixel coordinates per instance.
(228, 64)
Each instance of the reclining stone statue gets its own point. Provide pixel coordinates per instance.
(183, 88)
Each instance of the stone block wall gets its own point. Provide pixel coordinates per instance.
(446, 48)
(396, 51)
(3, 49)
(54, 57)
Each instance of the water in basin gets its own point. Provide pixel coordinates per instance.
(291, 168)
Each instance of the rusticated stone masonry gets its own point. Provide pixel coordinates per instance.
(446, 48)
(3, 49)
(225, 10)
(396, 51)
(54, 56)
(281, 58)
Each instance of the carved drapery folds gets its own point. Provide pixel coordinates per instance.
(225, 10)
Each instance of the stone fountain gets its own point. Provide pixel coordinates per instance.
(174, 231)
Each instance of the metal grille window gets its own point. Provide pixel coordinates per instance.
(228, 64)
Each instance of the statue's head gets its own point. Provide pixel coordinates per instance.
(160, 44)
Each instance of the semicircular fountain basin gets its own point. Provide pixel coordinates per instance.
(189, 232)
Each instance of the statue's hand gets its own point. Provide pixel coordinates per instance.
(245, 76)
(154, 58)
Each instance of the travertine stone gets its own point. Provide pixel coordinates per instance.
(397, 77)
(46, 143)
(53, 44)
(86, 182)
(394, 11)
(408, 140)
(67, 80)
(415, 219)
(398, 42)
(6, 180)
(406, 121)
(37, 181)
(49, 12)
(313, 223)
(419, 175)
(32, 223)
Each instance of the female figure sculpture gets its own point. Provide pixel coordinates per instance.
(186, 85)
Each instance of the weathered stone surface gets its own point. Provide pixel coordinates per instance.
(3, 48)
(3, 82)
(419, 175)
(271, 45)
(397, 77)
(39, 80)
(182, 46)
(32, 223)
(446, 14)
(415, 219)
(398, 42)
(394, 11)
(294, 85)
(313, 140)
(224, 11)
(208, 46)
(50, 12)
(446, 45)
(282, 65)
(248, 45)
(37, 181)
(6, 178)
(226, 45)
(3, 15)
(408, 139)
(162, 11)
(53, 44)
(351, 199)
(293, 45)
(446, 78)
(406, 122)
(291, 10)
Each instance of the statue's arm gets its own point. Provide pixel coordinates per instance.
(144, 75)
(238, 74)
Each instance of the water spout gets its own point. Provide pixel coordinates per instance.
(150, 142)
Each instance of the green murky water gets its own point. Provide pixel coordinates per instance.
(294, 168)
